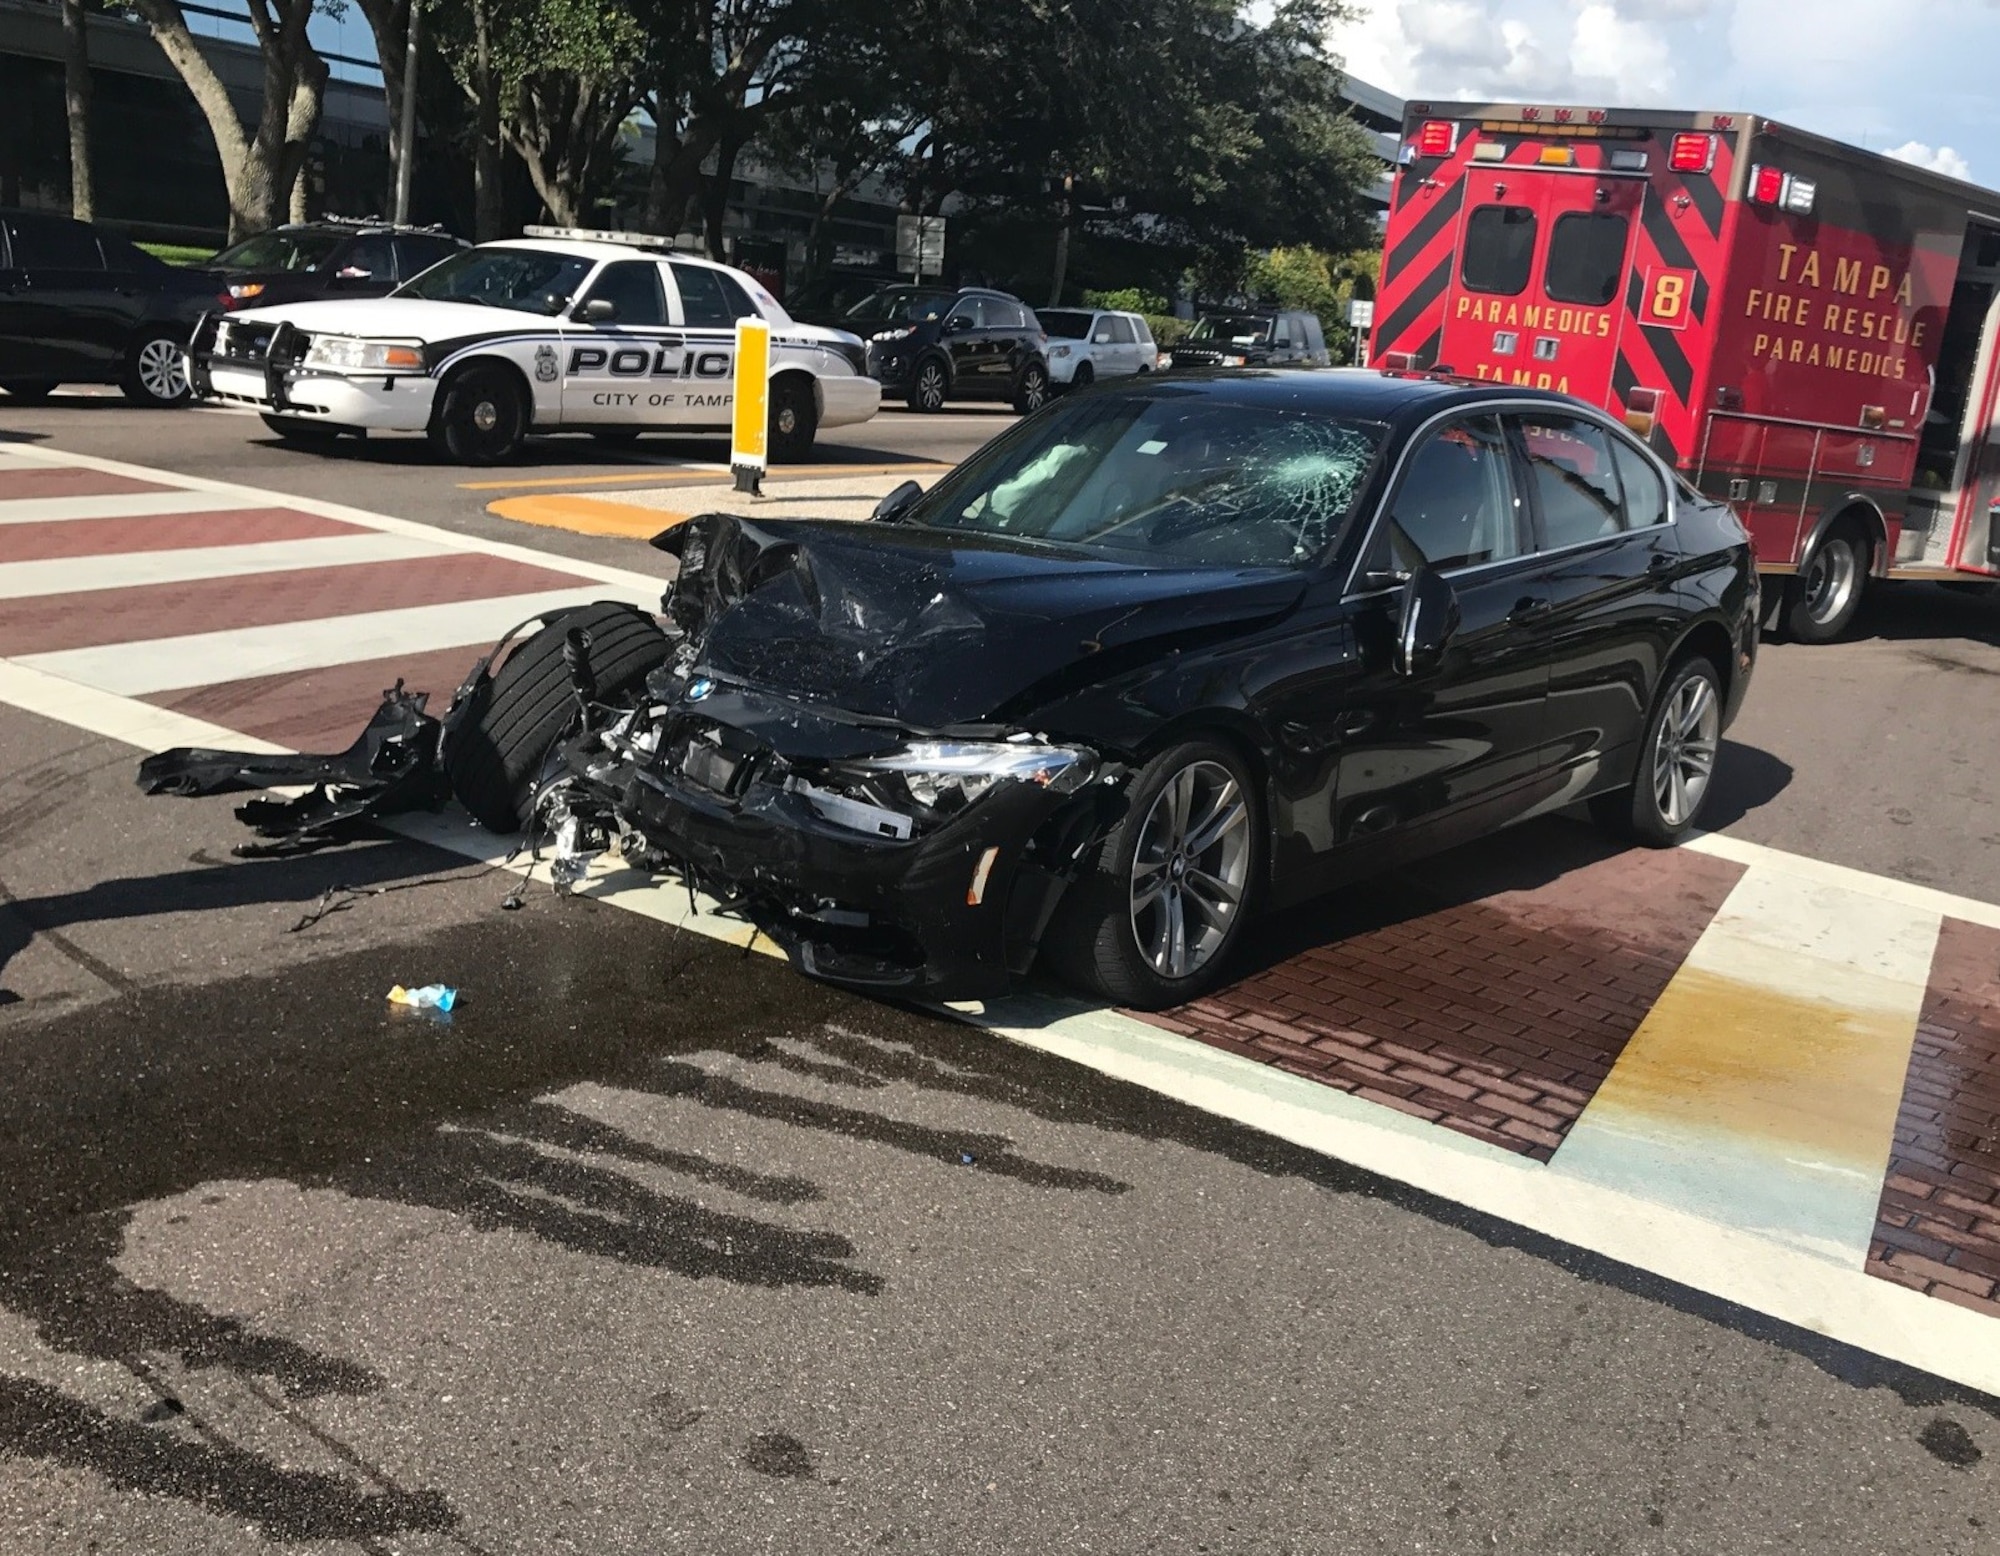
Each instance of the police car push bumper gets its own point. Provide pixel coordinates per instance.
(390, 402)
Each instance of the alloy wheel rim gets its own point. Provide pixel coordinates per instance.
(1830, 580)
(930, 385)
(1034, 391)
(1684, 754)
(161, 370)
(1190, 870)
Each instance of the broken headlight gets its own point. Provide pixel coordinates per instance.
(946, 774)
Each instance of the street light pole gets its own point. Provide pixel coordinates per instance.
(407, 160)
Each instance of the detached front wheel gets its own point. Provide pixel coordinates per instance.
(1152, 921)
(481, 417)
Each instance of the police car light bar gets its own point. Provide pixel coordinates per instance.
(641, 240)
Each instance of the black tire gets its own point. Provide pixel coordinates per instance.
(1083, 376)
(1821, 602)
(1638, 814)
(149, 378)
(481, 417)
(794, 420)
(29, 391)
(1094, 940)
(930, 384)
(617, 437)
(497, 754)
(1032, 392)
(300, 432)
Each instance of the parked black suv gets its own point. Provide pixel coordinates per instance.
(305, 261)
(80, 306)
(972, 344)
(1252, 338)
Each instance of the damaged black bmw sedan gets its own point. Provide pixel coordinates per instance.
(1161, 659)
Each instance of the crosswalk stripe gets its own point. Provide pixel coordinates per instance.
(200, 659)
(137, 569)
(1761, 1090)
(130, 505)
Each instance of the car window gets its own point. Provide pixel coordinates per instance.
(634, 286)
(368, 258)
(737, 299)
(415, 255)
(120, 255)
(1575, 481)
(1121, 330)
(899, 305)
(1281, 333)
(1454, 506)
(1586, 261)
(1499, 249)
(279, 250)
(1140, 329)
(704, 305)
(534, 280)
(1180, 479)
(1645, 492)
(1064, 323)
(1103, 335)
(50, 243)
(1237, 329)
(969, 309)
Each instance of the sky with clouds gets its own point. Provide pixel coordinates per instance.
(1917, 78)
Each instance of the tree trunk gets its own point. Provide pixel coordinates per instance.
(1062, 247)
(489, 218)
(715, 194)
(389, 21)
(76, 103)
(301, 123)
(257, 170)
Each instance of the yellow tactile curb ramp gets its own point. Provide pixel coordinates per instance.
(587, 515)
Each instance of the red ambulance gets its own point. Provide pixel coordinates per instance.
(1800, 327)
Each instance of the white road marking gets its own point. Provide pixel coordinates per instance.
(139, 569)
(130, 505)
(146, 668)
(1761, 1089)
(1904, 893)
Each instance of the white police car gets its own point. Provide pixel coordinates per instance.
(560, 331)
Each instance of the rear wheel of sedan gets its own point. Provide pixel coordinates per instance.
(481, 418)
(1151, 922)
(496, 756)
(1676, 761)
(156, 372)
(29, 391)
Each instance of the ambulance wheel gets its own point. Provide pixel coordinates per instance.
(480, 418)
(794, 420)
(1820, 603)
(496, 755)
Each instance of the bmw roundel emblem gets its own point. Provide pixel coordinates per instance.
(699, 688)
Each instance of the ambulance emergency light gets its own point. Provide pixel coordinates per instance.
(1437, 138)
(1691, 153)
(1774, 186)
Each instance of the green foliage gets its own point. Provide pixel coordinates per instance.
(1128, 299)
(177, 253)
(1319, 283)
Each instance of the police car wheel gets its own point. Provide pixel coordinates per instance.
(156, 372)
(480, 419)
(794, 420)
(928, 385)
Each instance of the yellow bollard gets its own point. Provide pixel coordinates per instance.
(750, 421)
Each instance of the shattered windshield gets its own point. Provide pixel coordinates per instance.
(1175, 478)
(534, 280)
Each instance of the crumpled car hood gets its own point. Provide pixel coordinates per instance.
(931, 629)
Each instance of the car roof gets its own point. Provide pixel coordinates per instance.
(1363, 392)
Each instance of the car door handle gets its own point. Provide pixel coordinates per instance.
(1661, 563)
(1528, 607)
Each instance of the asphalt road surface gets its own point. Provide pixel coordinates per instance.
(656, 1246)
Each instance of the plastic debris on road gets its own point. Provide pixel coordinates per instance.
(432, 996)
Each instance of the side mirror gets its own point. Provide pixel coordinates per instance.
(599, 310)
(1429, 618)
(891, 508)
(957, 324)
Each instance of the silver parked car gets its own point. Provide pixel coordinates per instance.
(1087, 344)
